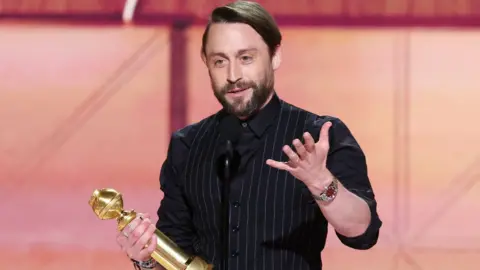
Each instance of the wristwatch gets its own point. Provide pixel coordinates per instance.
(148, 264)
(329, 193)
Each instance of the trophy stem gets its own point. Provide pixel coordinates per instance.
(168, 250)
(171, 257)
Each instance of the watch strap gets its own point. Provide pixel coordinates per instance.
(148, 264)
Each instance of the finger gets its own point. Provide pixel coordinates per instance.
(135, 235)
(142, 243)
(294, 158)
(121, 239)
(146, 237)
(124, 233)
(301, 151)
(309, 142)
(122, 242)
(146, 253)
(153, 244)
(324, 140)
(279, 165)
(143, 216)
(131, 226)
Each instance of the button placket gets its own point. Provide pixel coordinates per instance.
(234, 219)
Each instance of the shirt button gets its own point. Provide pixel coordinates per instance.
(236, 204)
(235, 229)
(235, 254)
(244, 125)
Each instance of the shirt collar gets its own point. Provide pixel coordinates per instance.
(259, 122)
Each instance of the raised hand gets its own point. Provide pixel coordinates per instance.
(308, 162)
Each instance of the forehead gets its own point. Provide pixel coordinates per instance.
(229, 38)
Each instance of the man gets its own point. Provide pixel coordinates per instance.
(297, 172)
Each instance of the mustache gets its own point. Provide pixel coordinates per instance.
(241, 85)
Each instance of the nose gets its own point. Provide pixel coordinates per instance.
(234, 73)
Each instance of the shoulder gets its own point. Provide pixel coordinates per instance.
(182, 139)
(314, 122)
(187, 134)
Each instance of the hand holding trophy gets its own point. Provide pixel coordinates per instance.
(138, 240)
(108, 204)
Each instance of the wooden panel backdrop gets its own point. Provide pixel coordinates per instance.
(81, 108)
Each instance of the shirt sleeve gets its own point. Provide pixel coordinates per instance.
(174, 215)
(347, 162)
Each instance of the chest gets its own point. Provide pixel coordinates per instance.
(262, 190)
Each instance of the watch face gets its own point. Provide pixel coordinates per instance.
(330, 192)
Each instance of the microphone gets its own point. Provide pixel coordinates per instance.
(228, 161)
(228, 158)
(227, 166)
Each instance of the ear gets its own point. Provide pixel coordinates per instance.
(204, 58)
(277, 58)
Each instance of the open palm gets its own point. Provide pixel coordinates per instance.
(308, 162)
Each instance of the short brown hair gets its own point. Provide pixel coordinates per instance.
(250, 13)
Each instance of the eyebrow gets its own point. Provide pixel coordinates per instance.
(239, 52)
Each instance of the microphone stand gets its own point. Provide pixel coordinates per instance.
(225, 226)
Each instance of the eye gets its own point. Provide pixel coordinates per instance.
(246, 59)
(218, 62)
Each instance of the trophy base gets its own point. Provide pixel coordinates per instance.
(198, 264)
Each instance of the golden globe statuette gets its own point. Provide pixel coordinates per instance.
(107, 203)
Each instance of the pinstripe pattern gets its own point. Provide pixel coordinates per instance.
(275, 224)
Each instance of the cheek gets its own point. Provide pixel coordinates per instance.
(255, 73)
(250, 75)
(217, 79)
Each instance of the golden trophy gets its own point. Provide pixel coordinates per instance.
(107, 203)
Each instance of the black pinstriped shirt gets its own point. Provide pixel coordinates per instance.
(275, 223)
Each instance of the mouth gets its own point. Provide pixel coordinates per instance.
(237, 90)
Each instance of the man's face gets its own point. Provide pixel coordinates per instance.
(240, 67)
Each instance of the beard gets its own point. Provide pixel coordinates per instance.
(240, 107)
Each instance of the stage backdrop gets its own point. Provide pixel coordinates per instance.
(86, 107)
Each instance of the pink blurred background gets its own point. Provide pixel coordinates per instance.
(88, 102)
